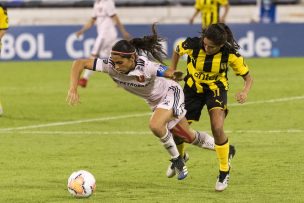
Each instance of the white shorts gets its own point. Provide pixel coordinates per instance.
(103, 46)
(174, 100)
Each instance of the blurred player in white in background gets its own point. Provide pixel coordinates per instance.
(106, 19)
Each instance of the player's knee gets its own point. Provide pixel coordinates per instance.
(156, 128)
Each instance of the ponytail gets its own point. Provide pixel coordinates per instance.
(150, 45)
(220, 34)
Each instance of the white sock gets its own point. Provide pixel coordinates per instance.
(87, 74)
(170, 145)
(203, 140)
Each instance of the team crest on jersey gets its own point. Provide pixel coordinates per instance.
(223, 67)
(140, 78)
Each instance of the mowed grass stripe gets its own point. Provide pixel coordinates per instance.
(286, 99)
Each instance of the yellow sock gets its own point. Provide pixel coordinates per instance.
(181, 149)
(222, 152)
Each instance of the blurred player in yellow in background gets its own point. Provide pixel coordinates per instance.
(3, 28)
(210, 11)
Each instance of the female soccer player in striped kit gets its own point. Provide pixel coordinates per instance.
(206, 83)
(146, 79)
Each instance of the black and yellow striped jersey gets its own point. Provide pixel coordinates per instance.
(210, 10)
(209, 71)
(3, 18)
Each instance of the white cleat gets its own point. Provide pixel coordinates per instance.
(223, 178)
(222, 181)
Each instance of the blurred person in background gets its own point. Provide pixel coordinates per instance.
(210, 11)
(206, 84)
(105, 17)
(3, 29)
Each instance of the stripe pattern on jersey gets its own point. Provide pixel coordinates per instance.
(209, 71)
(175, 108)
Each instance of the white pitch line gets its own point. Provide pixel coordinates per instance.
(135, 115)
(269, 101)
(74, 122)
(148, 132)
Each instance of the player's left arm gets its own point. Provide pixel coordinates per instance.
(240, 68)
(241, 96)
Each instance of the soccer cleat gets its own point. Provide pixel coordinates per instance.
(232, 152)
(223, 178)
(208, 143)
(83, 82)
(171, 170)
(222, 181)
(180, 167)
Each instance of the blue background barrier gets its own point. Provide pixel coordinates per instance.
(60, 42)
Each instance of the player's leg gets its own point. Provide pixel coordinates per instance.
(193, 104)
(158, 125)
(183, 132)
(217, 112)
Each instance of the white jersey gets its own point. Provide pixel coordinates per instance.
(144, 82)
(103, 10)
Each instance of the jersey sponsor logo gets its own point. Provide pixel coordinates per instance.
(203, 76)
(130, 84)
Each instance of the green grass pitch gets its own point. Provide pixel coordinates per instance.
(43, 140)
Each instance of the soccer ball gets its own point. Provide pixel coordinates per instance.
(81, 184)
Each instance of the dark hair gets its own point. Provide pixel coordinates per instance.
(150, 45)
(220, 34)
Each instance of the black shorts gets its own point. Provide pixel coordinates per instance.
(195, 102)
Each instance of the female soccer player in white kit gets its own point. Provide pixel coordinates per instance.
(146, 79)
(106, 19)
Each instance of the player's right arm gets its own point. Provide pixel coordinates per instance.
(191, 20)
(77, 68)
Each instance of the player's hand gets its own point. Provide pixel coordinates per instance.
(78, 34)
(126, 35)
(72, 97)
(178, 76)
(241, 97)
